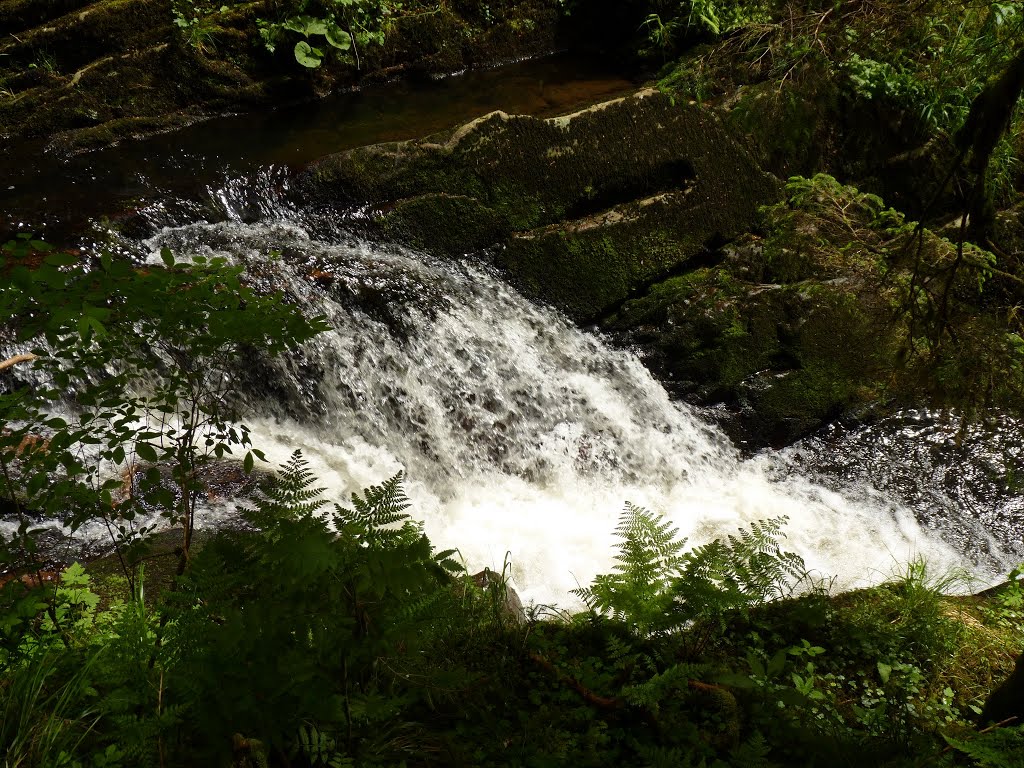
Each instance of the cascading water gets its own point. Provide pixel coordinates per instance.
(520, 434)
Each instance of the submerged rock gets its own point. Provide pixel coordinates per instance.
(580, 210)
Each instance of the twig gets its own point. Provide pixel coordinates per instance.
(602, 702)
(11, 361)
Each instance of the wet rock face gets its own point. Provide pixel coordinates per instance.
(581, 210)
(786, 357)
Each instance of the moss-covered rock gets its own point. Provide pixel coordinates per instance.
(788, 356)
(450, 225)
(813, 319)
(586, 208)
(587, 267)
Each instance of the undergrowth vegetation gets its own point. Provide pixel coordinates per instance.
(345, 639)
(937, 303)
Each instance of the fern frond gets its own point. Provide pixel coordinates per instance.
(649, 557)
(744, 569)
(371, 514)
(290, 495)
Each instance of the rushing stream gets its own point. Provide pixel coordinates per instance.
(520, 433)
(523, 435)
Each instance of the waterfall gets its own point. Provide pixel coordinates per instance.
(522, 435)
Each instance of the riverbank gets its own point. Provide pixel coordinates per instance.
(84, 75)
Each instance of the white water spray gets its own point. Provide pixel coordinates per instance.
(519, 433)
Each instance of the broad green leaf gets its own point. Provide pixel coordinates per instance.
(884, 670)
(61, 259)
(307, 56)
(247, 463)
(338, 37)
(167, 256)
(776, 664)
(306, 25)
(145, 451)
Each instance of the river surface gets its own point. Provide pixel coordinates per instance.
(46, 192)
(522, 436)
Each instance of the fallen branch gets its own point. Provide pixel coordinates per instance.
(602, 702)
(25, 358)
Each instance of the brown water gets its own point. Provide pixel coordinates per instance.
(58, 196)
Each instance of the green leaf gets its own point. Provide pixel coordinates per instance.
(308, 56)
(61, 260)
(884, 670)
(338, 37)
(88, 325)
(247, 463)
(145, 451)
(306, 25)
(776, 664)
(167, 257)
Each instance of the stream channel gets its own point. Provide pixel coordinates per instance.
(522, 435)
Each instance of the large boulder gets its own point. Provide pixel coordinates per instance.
(582, 210)
(836, 304)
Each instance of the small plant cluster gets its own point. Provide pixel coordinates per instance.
(195, 20)
(346, 27)
(335, 635)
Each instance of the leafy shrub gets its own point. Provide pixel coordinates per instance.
(288, 623)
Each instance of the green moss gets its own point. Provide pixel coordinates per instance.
(598, 218)
(451, 225)
(792, 356)
(710, 329)
(586, 269)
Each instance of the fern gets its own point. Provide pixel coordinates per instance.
(752, 754)
(655, 587)
(290, 495)
(320, 748)
(649, 558)
(380, 507)
(744, 569)
(286, 626)
(1001, 748)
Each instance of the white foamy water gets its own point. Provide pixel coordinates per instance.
(521, 435)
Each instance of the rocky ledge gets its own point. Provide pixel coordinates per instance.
(794, 304)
